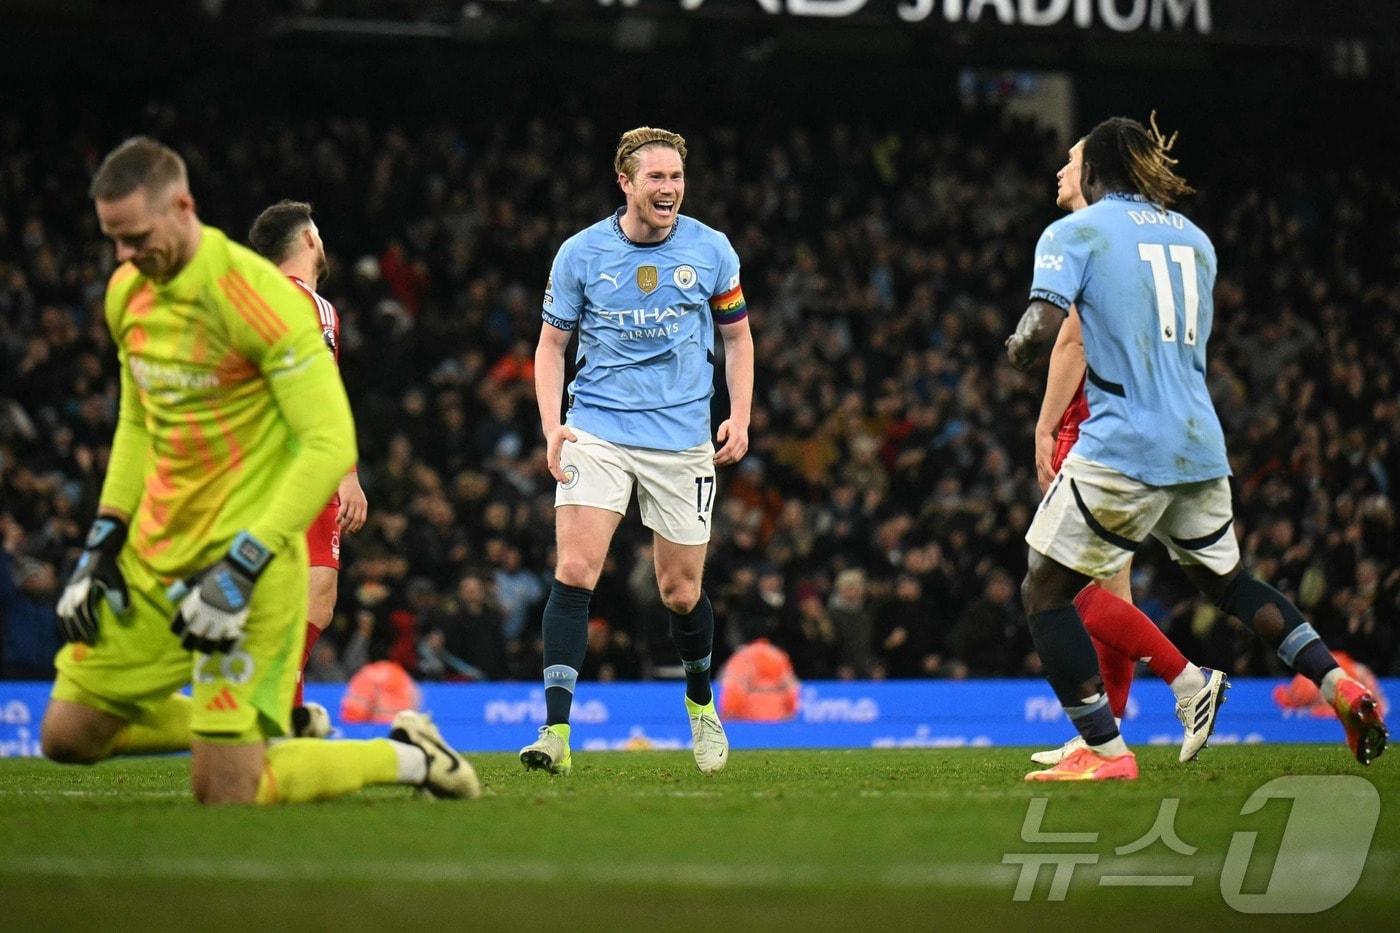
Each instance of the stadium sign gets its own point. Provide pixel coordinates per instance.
(1117, 15)
(1120, 16)
(1294, 23)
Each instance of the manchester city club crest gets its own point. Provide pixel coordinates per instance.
(647, 279)
(684, 276)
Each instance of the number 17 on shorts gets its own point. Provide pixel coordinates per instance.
(704, 498)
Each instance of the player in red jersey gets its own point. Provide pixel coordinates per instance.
(1121, 633)
(286, 234)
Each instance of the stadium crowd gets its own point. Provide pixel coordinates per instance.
(875, 528)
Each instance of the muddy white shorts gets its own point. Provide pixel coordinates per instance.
(1093, 518)
(675, 488)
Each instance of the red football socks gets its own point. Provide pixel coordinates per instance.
(1120, 628)
(1117, 670)
(312, 633)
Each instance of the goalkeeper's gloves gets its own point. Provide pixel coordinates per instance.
(96, 577)
(213, 605)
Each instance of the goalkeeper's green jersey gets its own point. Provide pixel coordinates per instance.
(233, 416)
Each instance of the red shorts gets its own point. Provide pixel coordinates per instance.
(323, 537)
(1064, 443)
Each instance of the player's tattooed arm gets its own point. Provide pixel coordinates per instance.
(1035, 333)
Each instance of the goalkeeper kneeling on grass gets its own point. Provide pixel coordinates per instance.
(233, 430)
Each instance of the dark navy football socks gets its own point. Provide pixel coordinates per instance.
(693, 635)
(565, 629)
(1072, 667)
(1276, 620)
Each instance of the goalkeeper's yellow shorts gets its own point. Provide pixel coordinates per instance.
(243, 696)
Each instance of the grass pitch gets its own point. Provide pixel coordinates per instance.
(834, 840)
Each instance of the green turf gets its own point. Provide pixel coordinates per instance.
(807, 840)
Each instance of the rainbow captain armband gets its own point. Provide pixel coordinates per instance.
(729, 307)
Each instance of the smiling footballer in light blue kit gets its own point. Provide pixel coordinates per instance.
(646, 314)
(645, 289)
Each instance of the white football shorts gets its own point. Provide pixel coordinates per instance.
(675, 488)
(1093, 518)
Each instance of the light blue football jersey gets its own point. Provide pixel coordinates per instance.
(646, 316)
(1142, 279)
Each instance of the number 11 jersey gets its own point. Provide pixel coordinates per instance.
(1142, 278)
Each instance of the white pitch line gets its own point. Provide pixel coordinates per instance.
(705, 875)
(440, 871)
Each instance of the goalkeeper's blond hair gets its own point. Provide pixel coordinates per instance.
(140, 162)
(627, 161)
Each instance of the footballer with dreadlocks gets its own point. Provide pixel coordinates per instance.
(1151, 458)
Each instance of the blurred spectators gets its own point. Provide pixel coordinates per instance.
(611, 655)
(854, 624)
(875, 527)
(906, 629)
(463, 640)
(28, 591)
(985, 641)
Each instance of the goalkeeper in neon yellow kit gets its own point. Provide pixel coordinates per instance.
(233, 432)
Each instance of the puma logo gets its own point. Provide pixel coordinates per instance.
(610, 278)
